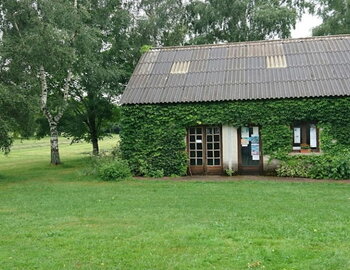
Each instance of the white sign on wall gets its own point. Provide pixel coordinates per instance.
(297, 135)
(313, 136)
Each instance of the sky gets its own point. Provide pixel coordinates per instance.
(304, 27)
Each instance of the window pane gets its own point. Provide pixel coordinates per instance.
(217, 153)
(210, 162)
(192, 146)
(192, 154)
(209, 138)
(193, 162)
(199, 131)
(192, 138)
(217, 130)
(216, 146)
(192, 130)
(210, 154)
(199, 154)
(217, 161)
(199, 161)
(210, 146)
(199, 146)
(313, 136)
(217, 138)
(297, 135)
(199, 137)
(209, 131)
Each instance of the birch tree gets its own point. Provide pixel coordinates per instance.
(103, 65)
(41, 39)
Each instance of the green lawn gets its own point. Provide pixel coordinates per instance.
(56, 218)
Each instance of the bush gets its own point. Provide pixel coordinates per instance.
(155, 173)
(293, 168)
(318, 167)
(331, 167)
(113, 169)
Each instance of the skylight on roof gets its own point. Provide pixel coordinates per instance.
(180, 67)
(276, 61)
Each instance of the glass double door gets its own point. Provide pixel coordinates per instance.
(205, 150)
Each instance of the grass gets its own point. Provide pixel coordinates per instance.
(56, 218)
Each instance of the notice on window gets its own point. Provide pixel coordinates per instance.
(313, 136)
(255, 151)
(254, 139)
(297, 135)
(245, 132)
(245, 136)
(245, 142)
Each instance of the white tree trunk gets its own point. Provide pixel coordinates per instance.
(55, 154)
(53, 120)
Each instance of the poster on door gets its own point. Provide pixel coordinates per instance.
(255, 151)
(245, 136)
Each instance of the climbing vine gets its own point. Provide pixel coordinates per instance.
(153, 136)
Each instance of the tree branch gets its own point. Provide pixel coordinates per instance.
(43, 97)
(62, 108)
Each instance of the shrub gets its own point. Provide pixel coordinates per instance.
(113, 169)
(319, 167)
(293, 168)
(331, 167)
(155, 173)
(230, 172)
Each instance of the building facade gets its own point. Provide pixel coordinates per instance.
(239, 107)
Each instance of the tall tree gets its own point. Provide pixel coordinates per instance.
(40, 38)
(160, 22)
(336, 18)
(16, 116)
(104, 67)
(213, 21)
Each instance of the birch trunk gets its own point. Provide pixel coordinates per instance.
(53, 120)
(55, 154)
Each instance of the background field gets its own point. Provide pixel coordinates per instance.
(57, 218)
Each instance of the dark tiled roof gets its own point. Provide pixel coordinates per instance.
(292, 68)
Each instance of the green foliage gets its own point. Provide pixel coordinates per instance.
(16, 116)
(212, 21)
(230, 172)
(156, 173)
(295, 167)
(162, 22)
(110, 169)
(325, 166)
(145, 48)
(153, 136)
(91, 40)
(336, 18)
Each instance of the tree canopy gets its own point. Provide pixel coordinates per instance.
(213, 21)
(336, 18)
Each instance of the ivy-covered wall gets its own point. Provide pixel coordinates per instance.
(152, 136)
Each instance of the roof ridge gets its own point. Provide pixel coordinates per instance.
(243, 43)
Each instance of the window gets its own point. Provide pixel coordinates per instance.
(305, 137)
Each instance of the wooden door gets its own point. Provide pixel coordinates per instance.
(195, 142)
(205, 150)
(249, 150)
